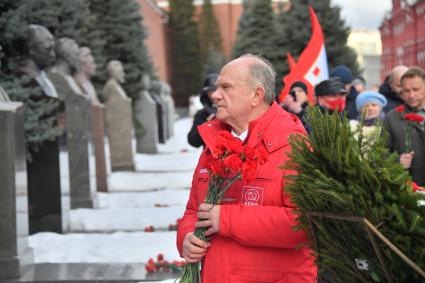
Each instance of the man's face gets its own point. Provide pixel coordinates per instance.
(234, 93)
(413, 92)
(42, 52)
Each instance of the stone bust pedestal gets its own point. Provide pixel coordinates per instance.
(119, 120)
(15, 254)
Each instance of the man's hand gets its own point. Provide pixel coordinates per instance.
(292, 105)
(194, 249)
(210, 218)
(406, 159)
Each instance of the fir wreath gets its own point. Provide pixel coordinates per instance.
(342, 186)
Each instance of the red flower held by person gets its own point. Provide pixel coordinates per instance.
(400, 108)
(235, 161)
(414, 117)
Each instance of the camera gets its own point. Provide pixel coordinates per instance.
(293, 94)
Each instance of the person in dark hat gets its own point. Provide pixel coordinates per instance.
(344, 74)
(205, 114)
(297, 101)
(330, 95)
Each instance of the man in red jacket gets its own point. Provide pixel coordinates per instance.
(252, 236)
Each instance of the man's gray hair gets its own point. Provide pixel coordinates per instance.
(263, 74)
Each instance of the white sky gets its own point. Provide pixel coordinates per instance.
(363, 13)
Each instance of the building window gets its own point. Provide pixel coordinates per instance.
(421, 57)
(398, 29)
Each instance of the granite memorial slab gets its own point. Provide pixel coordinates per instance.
(160, 110)
(171, 108)
(15, 254)
(77, 123)
(86, 70)
(146, 115)
(90, 272)
(98, 140)
(43, 168)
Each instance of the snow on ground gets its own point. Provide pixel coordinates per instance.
(155, 194)
(130, 219)
(147, 199)
(139, 181)
(119, 247)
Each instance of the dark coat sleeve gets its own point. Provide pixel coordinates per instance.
(193, 137)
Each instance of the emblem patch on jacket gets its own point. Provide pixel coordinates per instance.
(252, 196)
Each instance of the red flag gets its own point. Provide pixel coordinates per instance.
(291, 61)
(312, 65)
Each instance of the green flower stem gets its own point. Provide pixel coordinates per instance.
(216, 189)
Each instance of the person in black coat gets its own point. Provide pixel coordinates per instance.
(344, 74)
(205, 114)
(391, 88)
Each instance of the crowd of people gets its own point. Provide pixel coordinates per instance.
(373, 107)
(404, 88)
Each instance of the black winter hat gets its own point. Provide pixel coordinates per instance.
(299, 84)
(342, 72)
(209, 85)
(333, 86)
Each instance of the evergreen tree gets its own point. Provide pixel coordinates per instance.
(215, 61)
(350, 177)
(295, 33)
(62, 18)
(69, 19)
(257, 31)
(209, 33)
(184, 51)
(119, 22)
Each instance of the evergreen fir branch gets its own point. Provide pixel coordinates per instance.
(352, 175)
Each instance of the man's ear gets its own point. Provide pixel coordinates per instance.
(259, 96)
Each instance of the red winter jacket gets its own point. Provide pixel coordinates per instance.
(255, 242)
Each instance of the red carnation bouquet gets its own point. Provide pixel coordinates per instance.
(411, 118)
(234, 161)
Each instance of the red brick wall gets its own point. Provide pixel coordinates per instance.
(227, 15)
(403, 36)
(154, 20)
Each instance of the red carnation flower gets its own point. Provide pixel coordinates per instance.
(149, 229)
(233, 162)
(249, 167)
(150, 265)
(415, 187)
(400, 108)
(414, 117)
(227, 144)
(160, 257)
